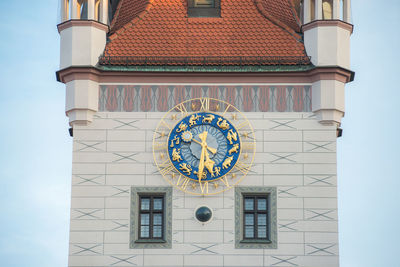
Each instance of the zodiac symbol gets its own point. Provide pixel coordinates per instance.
(209, 164)
(203, 176)
(234, 149)
(208, 119)
(223, 125)
(182, 127)
(231, 136)
(176, 156)
(217, 171)
(186, 168)
(193, 120)
(175, 140)
(227, 163)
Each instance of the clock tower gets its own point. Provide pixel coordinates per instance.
(204, 131)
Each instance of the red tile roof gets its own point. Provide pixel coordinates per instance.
(247, 28)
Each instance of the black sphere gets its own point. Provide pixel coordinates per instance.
(203, 214)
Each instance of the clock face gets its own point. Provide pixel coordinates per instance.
(204, 146)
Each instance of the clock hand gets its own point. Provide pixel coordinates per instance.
(201, 165)
(212, 150)
(203, 137)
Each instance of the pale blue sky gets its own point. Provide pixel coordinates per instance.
(35, 163)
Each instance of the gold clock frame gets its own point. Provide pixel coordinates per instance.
(210, 105)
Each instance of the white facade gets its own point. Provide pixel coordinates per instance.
(295, 153)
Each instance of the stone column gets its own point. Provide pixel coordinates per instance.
(91, 11)
(336, 9)
(318, 9)
(74, 9)
(103, 12)
(62, 14)
(306, 11)
(347, 11)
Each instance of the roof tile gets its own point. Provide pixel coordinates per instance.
(246, 28)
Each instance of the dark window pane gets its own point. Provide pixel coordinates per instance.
(262, 219)
(249, 232)
(204, 3)
(144, 231)
(145, 204)
(158, 204)
(262, 204)
(262, 232)
(145, 219)
(249, 219)
(157, 219)
(249, 204)
(157, 232)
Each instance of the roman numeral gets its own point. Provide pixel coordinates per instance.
(227, 108)
(225, 181)
(242, 125)
(183, 182)
(182, 109)
(242, 167)
(160, 146)
(205, 104)
(165, 124)
(166, 167)
(248, 145)
(204, 187)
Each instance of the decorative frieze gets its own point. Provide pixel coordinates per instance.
(161, 98)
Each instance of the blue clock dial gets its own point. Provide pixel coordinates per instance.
(204, 146)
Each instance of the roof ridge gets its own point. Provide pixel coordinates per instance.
(129, 24)
(276, 21)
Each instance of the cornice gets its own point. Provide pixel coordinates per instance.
(82, 23)
(327, 23)
(108, 76)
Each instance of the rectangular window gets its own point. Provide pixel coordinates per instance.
(151, 216)
(256, 217)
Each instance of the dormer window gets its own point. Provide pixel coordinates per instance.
(204, 3)
(204, 8)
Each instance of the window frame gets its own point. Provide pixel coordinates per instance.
(195, 11)
(151, 213)
(270, 242)
(136, 241)
(255, 212)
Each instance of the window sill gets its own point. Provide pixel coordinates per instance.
(255, 241)
(150, 241)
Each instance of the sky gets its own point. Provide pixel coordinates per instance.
(35, 159)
